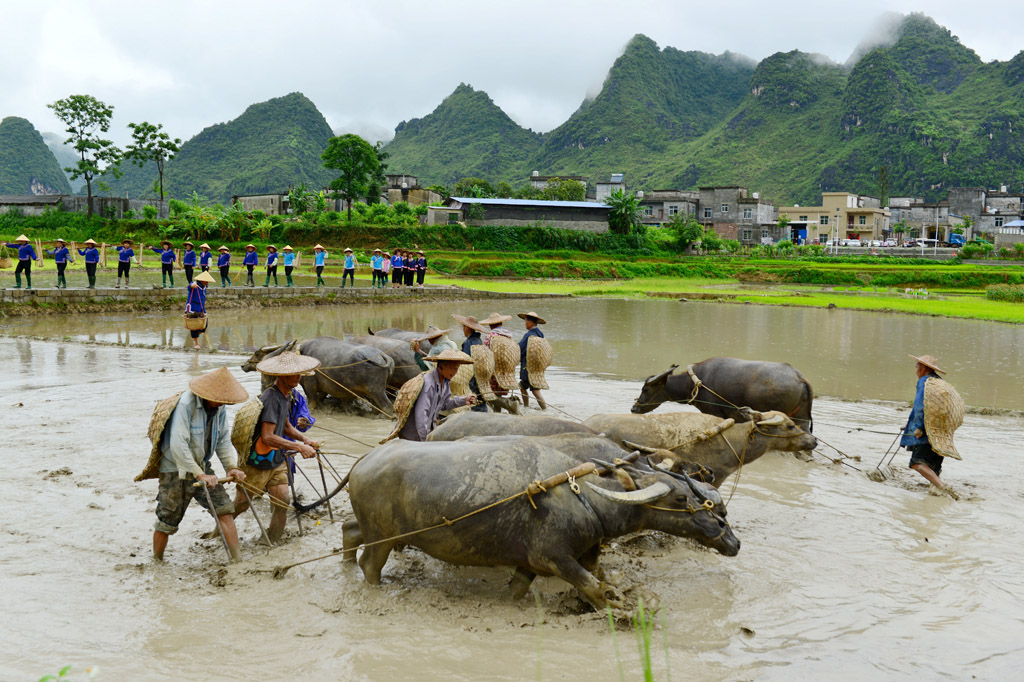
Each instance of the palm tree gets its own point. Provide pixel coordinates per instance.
(625, 212)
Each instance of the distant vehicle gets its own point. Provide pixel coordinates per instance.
(928, 243)
(956, 240)
(889, 242)
(850, 242)
(874, 243)
(909, 242)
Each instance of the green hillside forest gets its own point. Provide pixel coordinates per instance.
(26, 164)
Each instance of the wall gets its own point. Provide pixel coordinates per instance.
(271, 204)
(590, 219)
(584, 225)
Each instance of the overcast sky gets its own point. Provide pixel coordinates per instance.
(368, 65)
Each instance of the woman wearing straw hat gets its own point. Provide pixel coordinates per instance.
(92, 259)
(472, 330)
(385, 270)
(167, 259)
(409, 267)
(224, 265)
(195, 304)
(397, 265)
(271, 265)
(125, 253)
(350, 269)
(376, 266)
(531, 319)
(289, 264)
(198, 429)
(421, 269)
(60, 255)
(265, 465)
(923, 456)
(26, 254)
(319, 254)
(205, 257)
(188, 261)
(250, 261)
(435, 396)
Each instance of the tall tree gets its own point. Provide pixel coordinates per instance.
(85, 117)
(151, 143)
(356, 161)
(378, 179)
(882, 183)
(625, 211)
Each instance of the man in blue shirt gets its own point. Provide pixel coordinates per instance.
(124, 262)
(923, 459)
(472, 330)
(531, 320)
(350, 269)
(377, 264)
(92, 259)
(61, 255)
(26, 254)
(319, 254)
(289, 264)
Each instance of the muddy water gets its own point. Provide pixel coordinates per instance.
(839, 577)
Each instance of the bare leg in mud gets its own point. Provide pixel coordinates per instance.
(159, 544)
(929, 475)
(227, 524)
(280, 514)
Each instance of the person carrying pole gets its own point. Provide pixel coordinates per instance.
(265, 464)
(125, 253)
(195, 304)
(188, 261)
(271, 265)
(319, 255)
(61, 255)
(26, 254)
(92, 258)
(224, 265)
(937, 412)
(289, 264)
(197, 430)
(376, 264)
(167, 259)
(205, 257)
(350, 269)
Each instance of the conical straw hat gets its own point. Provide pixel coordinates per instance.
(538, 358)
(404, 402)
(318, 247)
(243, 431)
(471, 322)
(161, 414)
(219, 386)
(204, 277)
(495, 318)
(287, 363)
(21, 238)
(930, 362)
(204, 246)
(434, 333)
(250, 246)
(271, 246)
(943, 414)
(534, 316)
(87, 241)
(483, 369)
(223, 248)
(58, 239)
(506, 358)
(459, 386)
(287, 248)
(450, 355)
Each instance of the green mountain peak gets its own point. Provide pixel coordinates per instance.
(26, 164)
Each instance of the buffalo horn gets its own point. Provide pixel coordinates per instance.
(639, 448)
(643, 496)
(270, 349)
(774, 421)
(664, 465)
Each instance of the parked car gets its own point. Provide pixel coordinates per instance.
(889, 242)
(874, 243)
(909, 242)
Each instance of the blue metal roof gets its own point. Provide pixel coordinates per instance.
(530, 203)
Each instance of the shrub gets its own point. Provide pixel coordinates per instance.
(1005, 292)
(150, 212)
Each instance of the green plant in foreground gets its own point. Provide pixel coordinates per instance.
(65, 674)
(643, 628)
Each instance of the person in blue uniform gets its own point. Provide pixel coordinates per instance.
(224, 264)
(397, 265)
(350, 269)
(61, 255)
(167, 259)
(125, 253)
(421, 269)
(271, 265)
(319, 255)
(289, 264)
(195, 304)
(923, 459)
(92, 259)
(205, 257)
(472, 330)
(531, 320)
(376, 266)
(188, 261)
(410, 266)
(250, 261)
(26, 254)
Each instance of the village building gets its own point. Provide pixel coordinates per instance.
(841, 215)
(572, 215)
(110, 207)
(662, 205)
(735, 213)
(603, 190)
(541, 182)
(402, 187)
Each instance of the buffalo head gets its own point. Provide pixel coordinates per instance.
(785, 435)
(654, 392)
(265, 352)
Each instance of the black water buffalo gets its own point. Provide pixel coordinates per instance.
(402, 335)
(350, 371)
(400, 352)
(402, 487)
(499, 424)
(678, 431)
(762, 386)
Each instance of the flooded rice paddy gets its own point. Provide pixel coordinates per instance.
(839, 577)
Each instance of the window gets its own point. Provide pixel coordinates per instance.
(673, 209)
(862, 220)
(764, 234)
(707, 211)
(747, 235)
(748, 213)
(999, 221)
(803, 219)
(824, 220)
(823, 238)
(648, 211)
(453, 218)
(725, 208)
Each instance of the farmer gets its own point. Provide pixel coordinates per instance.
(410, 266)
(531, 320)
(198, 429)
(167, 259)
(188, 261)
(125, 253)
(396, 269)
(26, 254)
(377, 265)
(224, 264)
(924, 458)
(439, 342)
(471, 329)
(195, 304)
(436, 395)
(92, 258)
(265, 466)
(319, 254)
(289, 264)
(205, 257)
(250, 261)
(60, 255)
(350, 269)
(421, 269)
(271, 265)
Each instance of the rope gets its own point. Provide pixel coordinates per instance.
(331, 379)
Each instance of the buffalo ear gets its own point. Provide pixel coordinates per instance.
(748, 415)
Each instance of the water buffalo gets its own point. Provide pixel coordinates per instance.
(402, 335)
(498, 424)
(400, 351)
(762, 386)
(678, 431)
(402, 487)
(362, 370)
